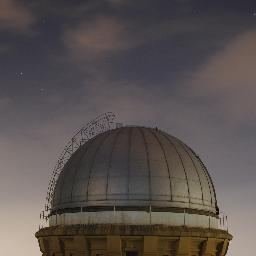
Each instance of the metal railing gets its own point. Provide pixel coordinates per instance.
(98, 125)
(186, 218)
(223, 221)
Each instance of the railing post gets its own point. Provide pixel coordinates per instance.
(184, 217)
(150, 214)
(227, 222)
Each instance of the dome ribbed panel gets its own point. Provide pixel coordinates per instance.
(178, 174)
(139, 178)
(97, 185)
(135, 166)
(72, 183)
(207, 188)
(159, 174)
(118, 180)
(192, 179)
(166, 164)
(83, 173)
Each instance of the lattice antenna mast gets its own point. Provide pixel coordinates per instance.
(99, 125)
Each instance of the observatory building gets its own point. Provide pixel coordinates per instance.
(134, 191)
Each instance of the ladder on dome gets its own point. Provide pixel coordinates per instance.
(100, 124)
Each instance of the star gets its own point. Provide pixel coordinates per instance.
(20, 74)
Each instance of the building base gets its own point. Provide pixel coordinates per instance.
(132, 240)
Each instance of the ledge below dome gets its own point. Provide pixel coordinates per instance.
(145, 240)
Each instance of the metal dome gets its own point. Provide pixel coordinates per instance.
(135, 167)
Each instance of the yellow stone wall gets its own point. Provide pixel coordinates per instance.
(78, 241)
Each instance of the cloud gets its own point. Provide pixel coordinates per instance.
(105, 34)
(15, 16)
(99, 36)
(229, 78)
(110, 33)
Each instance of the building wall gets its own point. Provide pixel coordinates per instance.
(135, 218)
(132, 241)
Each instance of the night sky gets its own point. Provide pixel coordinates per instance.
(188, 67)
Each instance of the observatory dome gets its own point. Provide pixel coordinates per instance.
(135, 167)
(132, 191)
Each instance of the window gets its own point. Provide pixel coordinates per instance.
(131, 253)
